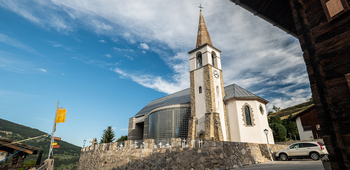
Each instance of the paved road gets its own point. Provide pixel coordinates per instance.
(301, 164)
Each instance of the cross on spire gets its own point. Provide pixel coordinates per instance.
(200, 6)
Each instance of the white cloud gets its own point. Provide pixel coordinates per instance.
(131, 58)
(125, 129)
(55, 44)
(102, 41)
(43, 70)
(251, 57)
(63, 74)
(108, 55)
(114, 39)
(144, 46)
(125, 50)
(10, 41)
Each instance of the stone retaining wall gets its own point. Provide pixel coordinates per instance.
(212, 155)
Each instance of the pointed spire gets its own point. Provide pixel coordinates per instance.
(203, 34)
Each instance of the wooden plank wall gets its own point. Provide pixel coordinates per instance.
(311, 119)
(326, 51)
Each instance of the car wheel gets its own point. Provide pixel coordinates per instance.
(283, 157)
(315, 156)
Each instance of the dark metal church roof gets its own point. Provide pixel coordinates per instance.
(184, 96)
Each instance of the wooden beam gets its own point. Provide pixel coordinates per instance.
(264, 6)
(347, 76)
(17, 148)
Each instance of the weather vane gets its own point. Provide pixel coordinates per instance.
(200, 6)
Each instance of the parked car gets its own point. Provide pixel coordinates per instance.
(313, 150)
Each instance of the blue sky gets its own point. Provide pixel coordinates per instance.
(105, 60)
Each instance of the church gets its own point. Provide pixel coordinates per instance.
(207, 110)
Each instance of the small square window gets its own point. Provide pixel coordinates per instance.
(307, 128)
(318, 127)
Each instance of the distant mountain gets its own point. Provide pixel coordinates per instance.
(66, 157)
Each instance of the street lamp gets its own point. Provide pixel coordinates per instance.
(84, 143)
(266, 132)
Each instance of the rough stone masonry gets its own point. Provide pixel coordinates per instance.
(211, 155)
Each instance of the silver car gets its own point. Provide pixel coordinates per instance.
(313, 150)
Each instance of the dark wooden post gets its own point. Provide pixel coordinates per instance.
(38, 161)
(326, 48)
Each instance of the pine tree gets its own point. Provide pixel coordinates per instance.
(108, 135)
(122, 138)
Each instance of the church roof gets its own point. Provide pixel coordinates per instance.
(184, 96)
(203, 34)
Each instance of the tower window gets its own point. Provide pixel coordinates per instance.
(212, 60)
(213, 55)
(217, 91)
(200, 89)
(199, 60)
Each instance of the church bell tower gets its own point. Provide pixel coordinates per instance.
(208, 114)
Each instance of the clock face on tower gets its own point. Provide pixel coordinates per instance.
(216, 74)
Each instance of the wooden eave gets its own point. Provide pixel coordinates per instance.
(7, 143)
(294, 117)
(276, 12)
(202, 46)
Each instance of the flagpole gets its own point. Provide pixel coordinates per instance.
(53, 130)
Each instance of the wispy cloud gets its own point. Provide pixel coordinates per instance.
(55, 44)
(256, 59)
(121, 49)
(102, 41)
(108, 55)
(125, 129)
(9, 62)
(127, 56)
(15, 43)
(114, 39)
(43, 70)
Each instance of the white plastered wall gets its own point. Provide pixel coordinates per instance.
(304, 135)
(219, 102)
(242, 133)
(200, 100)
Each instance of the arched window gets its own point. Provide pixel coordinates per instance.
(200, 89)
(248, 119)
(248, 116)
(212, 60)
(217, 91)
(199, 60)
(213, 55)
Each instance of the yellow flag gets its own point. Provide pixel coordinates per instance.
(54, 144)
(61, 112)
(60, 119)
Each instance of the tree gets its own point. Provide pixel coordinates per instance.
(122, 138)
(108, 135)
(275, 119)
(291, 127)
(276, 108)
(278, 130)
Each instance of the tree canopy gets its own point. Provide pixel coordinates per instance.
(108, 135)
